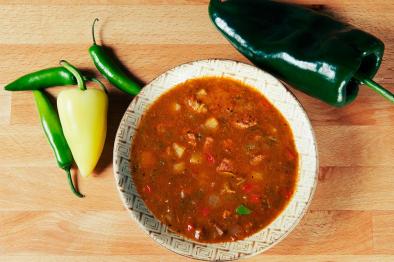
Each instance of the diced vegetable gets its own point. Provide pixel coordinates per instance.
(201, 93)
(182, 194)
(226, 214)
(218, 230)
(179, 167)
(197, 234)
(176, 107)
(196, 158)
(196, 105)
(179, 150)
(210, 158)
(254, 198)
(147, 189)
(243, 210)
(211, 123)
(247, 188)
(189, 228)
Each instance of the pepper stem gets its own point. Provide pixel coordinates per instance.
(70, 182)
(73, 70)
(376, 87)
(102, 86)
(94, 38)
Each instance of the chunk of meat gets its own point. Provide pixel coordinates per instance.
(191, 139)
(196, 105)
(225, 166)
(245, 122)
(256, 160)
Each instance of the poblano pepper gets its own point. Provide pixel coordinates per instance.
(313, 52)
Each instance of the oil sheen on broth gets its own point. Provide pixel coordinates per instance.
(214, 160)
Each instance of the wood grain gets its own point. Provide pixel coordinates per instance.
(351, 216)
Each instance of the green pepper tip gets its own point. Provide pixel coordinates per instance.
(70, 181)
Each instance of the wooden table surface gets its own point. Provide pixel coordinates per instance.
(352, 214)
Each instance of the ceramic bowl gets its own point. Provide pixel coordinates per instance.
(281, 98)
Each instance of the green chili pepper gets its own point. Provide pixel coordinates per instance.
(111, 69)
(53, 130)
(313, 52)
(243, 210)
(57, 76)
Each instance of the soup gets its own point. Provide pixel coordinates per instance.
(214, 160)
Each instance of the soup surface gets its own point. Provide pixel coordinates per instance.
(214, 160)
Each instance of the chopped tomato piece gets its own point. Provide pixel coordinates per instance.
(210, 158)
(147, 189)
(254, 198)
(247, 187)
(225, 166)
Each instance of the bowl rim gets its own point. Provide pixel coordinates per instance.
(310, 128)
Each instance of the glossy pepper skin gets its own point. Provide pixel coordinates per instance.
(308, 50)
(53, 130)
(83, 116)
(110, 69)
(56, 76)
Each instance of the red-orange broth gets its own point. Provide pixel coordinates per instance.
(214, 160)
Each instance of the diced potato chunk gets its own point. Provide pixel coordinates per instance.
(211, 123)
(196, 158)
(179, 167)
(201, 93)
(179, 150)
(176, 107)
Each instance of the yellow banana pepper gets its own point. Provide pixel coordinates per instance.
(83, 115)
